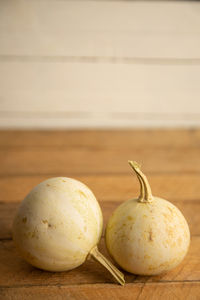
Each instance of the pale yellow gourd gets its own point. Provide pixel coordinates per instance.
(147, 235)
(58, 226)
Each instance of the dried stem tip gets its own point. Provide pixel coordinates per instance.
(145, 189)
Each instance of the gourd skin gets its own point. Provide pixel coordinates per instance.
(57, 224)
(147, 238)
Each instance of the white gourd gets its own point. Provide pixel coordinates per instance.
(147, 235)
(58, 226)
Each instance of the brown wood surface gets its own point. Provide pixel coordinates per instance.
(171, 160)
(68, 160)
(100, 138)
(153, 291)
(115, 187)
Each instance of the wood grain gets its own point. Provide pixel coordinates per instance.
(113, 93)
(106, 187)
(68, 162)
(136, 29)
(112, 139)
(74, 65)
(142, 291)
(45, 95)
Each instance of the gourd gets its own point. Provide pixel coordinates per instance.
(147, 235)
(58, 226)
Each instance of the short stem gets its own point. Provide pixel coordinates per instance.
(145, 188)
(95, 254)
(142, 189)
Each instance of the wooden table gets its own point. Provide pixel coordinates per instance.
(171, 160)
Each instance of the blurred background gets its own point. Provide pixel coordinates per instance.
(84, 64)
(97, 83)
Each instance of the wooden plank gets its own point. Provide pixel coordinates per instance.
(154, 291)
(15, 272)
(95, 120)
(49, 90)
(110, 187)
(68, 162)
(136, 29)
(45, 95)
(42, 66)
(101, 138)
(190, 210)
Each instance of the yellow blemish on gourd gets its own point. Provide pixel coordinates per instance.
(168, 263)
(24, 220)
(31, 234)
(45, 221)
(170, 209)
(82, 193)
(150, 235)
(167, 216)
(130, 218)
(163, 265)
(170, 231)
(151, 267)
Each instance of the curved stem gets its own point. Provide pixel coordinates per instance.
(142, 189)
(95, 254)
(145, 189)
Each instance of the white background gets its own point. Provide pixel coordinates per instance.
(70, 64)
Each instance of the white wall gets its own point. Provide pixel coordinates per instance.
(99, 63)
